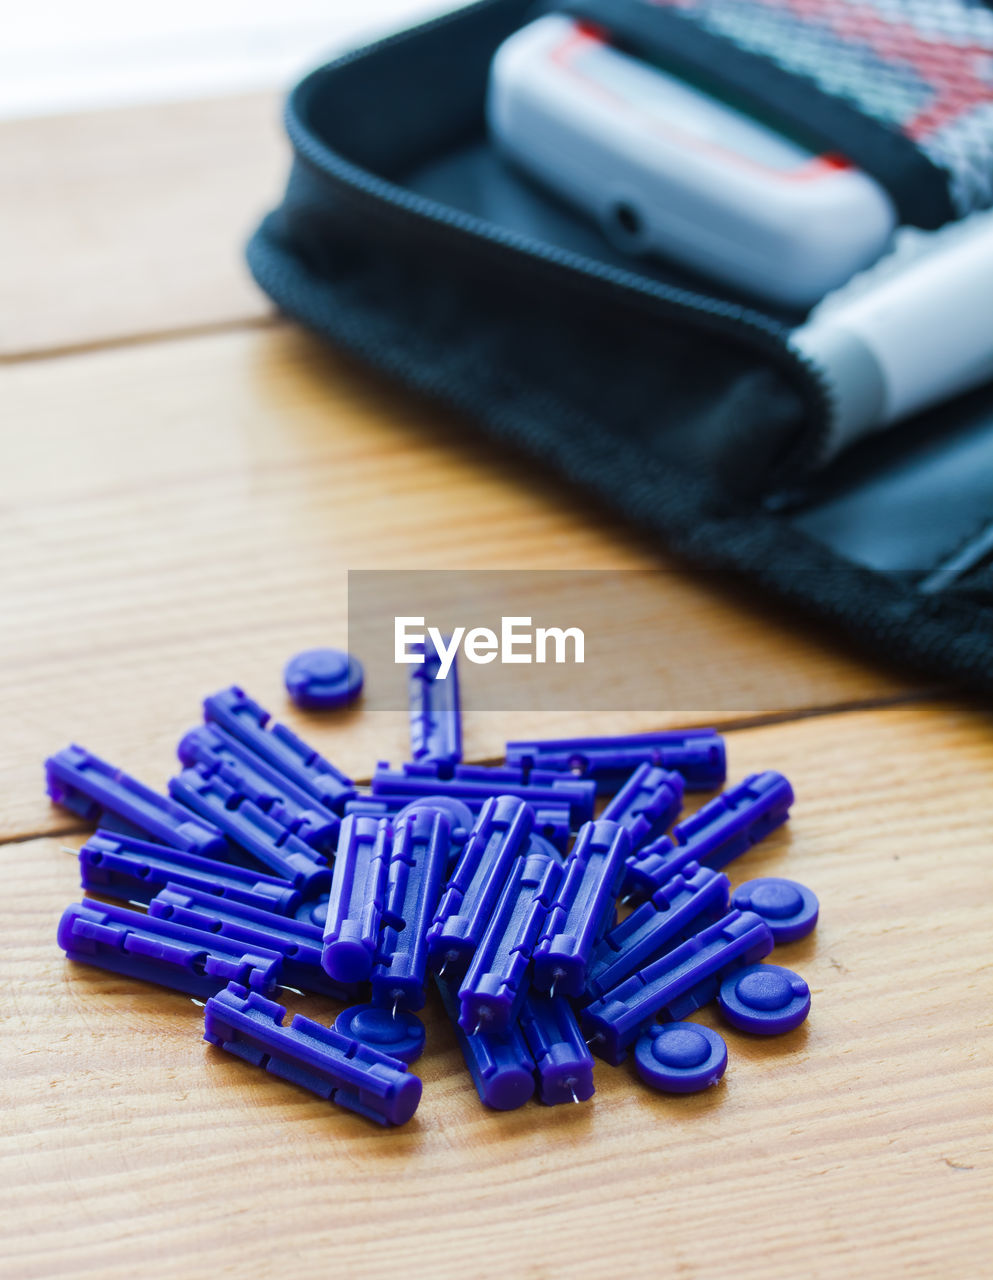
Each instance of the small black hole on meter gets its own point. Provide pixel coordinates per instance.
(628, 220)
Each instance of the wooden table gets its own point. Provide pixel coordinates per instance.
(186, 480)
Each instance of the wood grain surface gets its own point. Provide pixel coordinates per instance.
(180, 502)
(125, 224)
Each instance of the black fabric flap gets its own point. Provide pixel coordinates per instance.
(667, 405)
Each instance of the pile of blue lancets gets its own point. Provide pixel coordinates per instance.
(551, 935)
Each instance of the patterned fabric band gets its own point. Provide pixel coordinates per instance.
(919, 71)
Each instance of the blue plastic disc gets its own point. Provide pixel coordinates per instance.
(321, 678)
(539, 844)
(314, 912)
(764, 998)
(789, 909)
(459, 815)
(680, 1057)
(401, 1037)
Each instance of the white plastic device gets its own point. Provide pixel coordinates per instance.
(914, 330)
(668, 170)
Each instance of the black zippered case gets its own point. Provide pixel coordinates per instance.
(404, 239)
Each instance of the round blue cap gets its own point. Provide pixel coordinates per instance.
(321, 678)
(680, 1057)
(401, 1037)
(540, 844)
(765, 999)
(460, 818)
(789, 909)
(314, 912)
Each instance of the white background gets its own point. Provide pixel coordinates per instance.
(71, 55)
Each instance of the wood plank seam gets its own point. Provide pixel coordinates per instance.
(142, 338)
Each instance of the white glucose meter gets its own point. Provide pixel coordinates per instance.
(667, 170)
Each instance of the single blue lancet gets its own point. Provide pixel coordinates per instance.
(119, 866)
(683, 906)
(500, 835)
(254, 779)
(564, 1064)
(731, 823)
(493, 775)
(476, 783)
(318, 1058)
(496, 981)
(435, 715)
(418, 862)
(298, 942)
(368, 807)
(246, 825)
(557, 805)
(647, 804)
(674, 985)
(236, 713)
(357, 897)
(500, 1063)
(91, 788)
(583, 908)
(722, 830)
(696, 754)
(171, 955)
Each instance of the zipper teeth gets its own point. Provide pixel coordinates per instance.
(765, 333)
